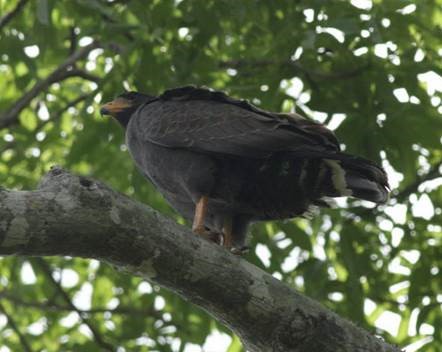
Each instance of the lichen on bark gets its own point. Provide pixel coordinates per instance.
(76, 216)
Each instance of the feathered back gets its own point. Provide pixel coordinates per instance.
(210, 122)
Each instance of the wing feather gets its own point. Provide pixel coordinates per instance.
(212, 122)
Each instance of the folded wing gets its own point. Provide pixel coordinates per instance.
(211, 122)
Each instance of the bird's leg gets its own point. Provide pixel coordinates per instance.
(234, 232)
(198, 222)
(227, 233)
(228, 239)
(200, 214)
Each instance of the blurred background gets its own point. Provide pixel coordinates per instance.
(370, 70)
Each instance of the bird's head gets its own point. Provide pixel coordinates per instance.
(122, 107)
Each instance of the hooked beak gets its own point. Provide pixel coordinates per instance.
(115, 106)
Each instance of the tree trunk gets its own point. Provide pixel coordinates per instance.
(75, 216)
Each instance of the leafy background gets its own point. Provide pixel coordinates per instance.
(371, 70)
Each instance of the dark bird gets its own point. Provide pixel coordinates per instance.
(224, 163)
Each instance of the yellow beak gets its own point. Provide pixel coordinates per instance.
(115, 106)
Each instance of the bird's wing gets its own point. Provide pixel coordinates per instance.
(211, 122)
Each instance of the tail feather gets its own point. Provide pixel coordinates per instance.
(347, 175)
(366, 189)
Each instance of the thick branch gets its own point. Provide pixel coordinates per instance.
(74, 216)
(62, 72)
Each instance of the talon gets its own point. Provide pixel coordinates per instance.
(215, 237)
(209, 235)
(240, 251)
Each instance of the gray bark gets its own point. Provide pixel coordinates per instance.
(75, 216)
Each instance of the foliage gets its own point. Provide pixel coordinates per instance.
(364, 68)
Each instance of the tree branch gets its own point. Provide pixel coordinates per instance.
(75, 216)
(13, 325)
(259, 64)
(7, 146)
(413, 187)
(55, 307)
(58, 114)
(43, 265)
(10, 15)
(54, 117)
(61, 73)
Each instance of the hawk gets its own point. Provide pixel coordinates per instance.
(224, 163)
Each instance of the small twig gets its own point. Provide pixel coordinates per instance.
(400, 196)
(7, 146)
(52, 306)
(113, 3)
(294, 64)
(10, 15)
(70, 104)
(97, 336)
(331, 75)
(54, 117)
(60, 73)
(433, 173)
(13, 325)
(129, 36)
(72, 40)
(57, 115)
(80, 73)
